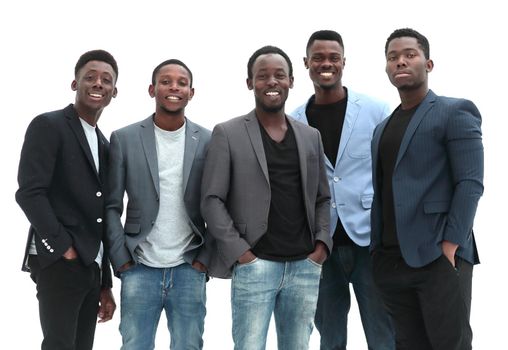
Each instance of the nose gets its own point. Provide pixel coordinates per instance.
(401, 62)
(272, 81)
(174, 86)
(98, 82)
(326, 63)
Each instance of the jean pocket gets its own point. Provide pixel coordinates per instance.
(256, 259)
(314, 263)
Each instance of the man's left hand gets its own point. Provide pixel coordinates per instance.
(319, 254)
(107, 305)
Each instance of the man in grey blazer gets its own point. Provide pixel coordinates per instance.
(159, 253)
(428, 179)
(266, 202)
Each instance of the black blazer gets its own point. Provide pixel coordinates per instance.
(60, 190)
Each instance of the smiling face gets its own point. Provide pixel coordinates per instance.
(325, 61)
(172, 90)
(271, 82)
(95, 86)
(406, 65)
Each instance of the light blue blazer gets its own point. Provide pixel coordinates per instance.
(437, 181)
(350, 178)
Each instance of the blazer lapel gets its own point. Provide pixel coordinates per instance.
(252, 125)
(103, 161)
(301, 154)
(352, 110)
(147, 135)
(191, 146)
(78, 131)
(417, 118)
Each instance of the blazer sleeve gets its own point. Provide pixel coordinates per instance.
(35, 174)
(215, 188)
(115, 235)
(465, 153)
(322, 226)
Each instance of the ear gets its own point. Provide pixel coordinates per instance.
(74, 85)
(151, 90)
(344, 62)
(291, 81)
(191, 95)
(429, 65)
(306, 62)
(249, 84)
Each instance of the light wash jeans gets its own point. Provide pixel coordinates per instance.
(289, 290)
(146, 291)
(347, 265)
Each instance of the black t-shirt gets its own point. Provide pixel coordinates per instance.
(288, 236)
(329, 120)
(389, 145)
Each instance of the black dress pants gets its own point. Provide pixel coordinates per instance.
(430, 306)
(68, 294)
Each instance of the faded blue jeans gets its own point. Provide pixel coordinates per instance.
(289, 290)
(146, 291)
(351, 264)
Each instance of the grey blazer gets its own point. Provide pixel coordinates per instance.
(437, 180)
(134, 170)
(236, 189)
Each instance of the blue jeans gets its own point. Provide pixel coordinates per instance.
(289, 290)
(351, 264)
(146, 291)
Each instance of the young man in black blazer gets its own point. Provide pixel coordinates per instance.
(62, 183)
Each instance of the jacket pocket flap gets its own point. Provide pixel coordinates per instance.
(367, 201)
(132, 228)
(436, 207)
(133, 213)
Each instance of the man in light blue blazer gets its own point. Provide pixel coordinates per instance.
(160, 252)
(428, 179)
(346, 121)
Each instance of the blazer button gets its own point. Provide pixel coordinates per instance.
(336, 179)
(99, 220)
(98, 194)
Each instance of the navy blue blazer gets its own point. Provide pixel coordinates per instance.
(437, 181)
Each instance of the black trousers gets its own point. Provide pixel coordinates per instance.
(430, 306)
(68, 294)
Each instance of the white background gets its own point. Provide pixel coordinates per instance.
(41, 41)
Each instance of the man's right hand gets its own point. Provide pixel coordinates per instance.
(70, 254)
(125, 266)
(246, 257)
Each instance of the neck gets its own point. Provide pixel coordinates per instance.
(412, 98)
(328, 96)
(271, 120)
(89, 116)
(169, 122)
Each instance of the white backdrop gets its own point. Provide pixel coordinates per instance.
(41, 41)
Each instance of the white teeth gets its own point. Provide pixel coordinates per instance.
(96, 95)
(326, 74)
(173, 98)
(272, 93)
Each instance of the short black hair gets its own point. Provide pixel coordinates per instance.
(265, 50)
(167, 62)
(324, 35)
(408, 32)
(96, 55)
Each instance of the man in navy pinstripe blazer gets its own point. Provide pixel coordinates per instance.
(428, 178)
